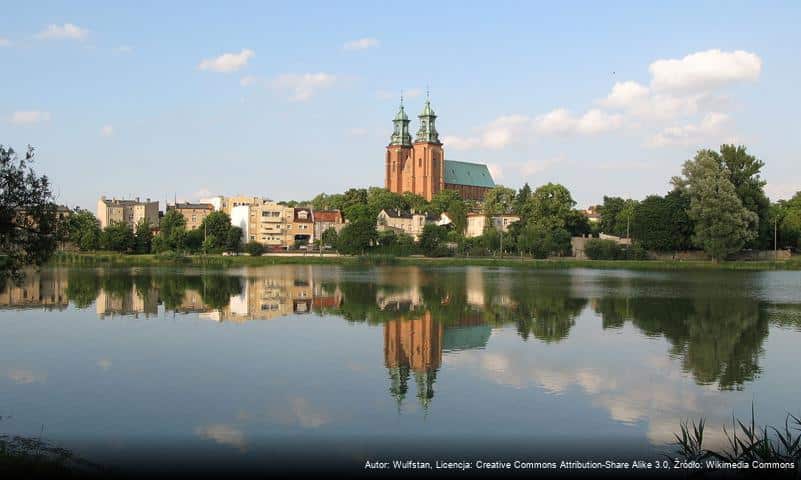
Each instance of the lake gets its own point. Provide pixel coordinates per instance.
(270, 367)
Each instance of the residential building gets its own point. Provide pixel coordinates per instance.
(261, 220)
(127, 211)
(215, 201)
(593, 213)
(299, 227)
(409, 222)
(421, 168)
(477, 223)
(194, 213)
(325, 219)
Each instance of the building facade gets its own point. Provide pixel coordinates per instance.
(325, 219)
(420, 167)
(478, 222)
(409, 222)
(127, 211)
(194, 213)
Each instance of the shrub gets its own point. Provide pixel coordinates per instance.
(597, 249)
(254, 248)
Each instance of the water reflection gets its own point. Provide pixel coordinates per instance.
(716, 326)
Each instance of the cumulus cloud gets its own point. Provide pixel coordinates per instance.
(710, 125)
(562, 122)
(303, 86)
(227, 62)
(705, 70)
(67, 31)
(107, 130)
(361, 44)
(29, 117)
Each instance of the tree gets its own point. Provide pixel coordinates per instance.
(172, 233)
(521, 202)
(28, 219)
(83, 230)
(498, 200)
(722, 224)
(661, 223)
(616, 216)
(744, 170)
(118, 237)
(357, 236)
(360, 212)
(171, 220)
(382, 199)
(431, 239)
(787, 214)
(552, 204)
(143, 237)
(254, 248)
(329, 236)
(233, 239)
(217, 226)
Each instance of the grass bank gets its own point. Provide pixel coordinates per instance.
(117, 259)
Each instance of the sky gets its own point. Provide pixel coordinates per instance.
(183, 100)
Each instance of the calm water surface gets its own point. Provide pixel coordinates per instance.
(249, 364)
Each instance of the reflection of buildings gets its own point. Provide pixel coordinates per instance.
(128, 302)
(38, 290)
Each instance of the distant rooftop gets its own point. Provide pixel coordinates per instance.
(466, 173)
(192, 206)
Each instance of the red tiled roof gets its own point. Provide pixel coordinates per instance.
(331, 216)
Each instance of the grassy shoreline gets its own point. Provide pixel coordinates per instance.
(117, 259)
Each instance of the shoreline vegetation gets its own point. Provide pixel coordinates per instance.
(223, 261)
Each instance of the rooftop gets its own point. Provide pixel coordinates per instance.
(466, 173)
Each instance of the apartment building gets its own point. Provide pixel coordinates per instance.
(299, 227)
(127, 211)
(194, 213)
(325, 219)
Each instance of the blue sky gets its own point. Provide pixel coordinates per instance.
(290, 99)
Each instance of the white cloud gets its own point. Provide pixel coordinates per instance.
(625, 94)
(562, 122)
(4, 42)
(107, 130)
(303, 86)
(361, 44)
(710, 125)
(29, 117)
(247, 80)
(227, 62)
(705, 70)
(66, 31)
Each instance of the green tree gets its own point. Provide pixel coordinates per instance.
(616, 216)
(143, 237)
(118, 237)
(357, 236)
(329, 236)
(28, 221)
(498, 200)
(552, 204)
(722, 224)
(661, 223)
(217, 227)
(254, 248)
(233, 239)
(382, 199)
(744, 173)
(431, 239)
(520, 205)
(83, 230)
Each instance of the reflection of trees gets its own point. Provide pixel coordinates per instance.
(218, 288)
(83, 287)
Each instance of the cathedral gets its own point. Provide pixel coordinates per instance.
(420, 167)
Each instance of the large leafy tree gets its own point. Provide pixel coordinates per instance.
(83, 230)
(744, 172)
(616, 216)
(143, 237)
(357, 236)
(787, 217)
(118, 237)
(552, 204)
(722, 224)
(661, 223)
(28, 221)
(498, 200)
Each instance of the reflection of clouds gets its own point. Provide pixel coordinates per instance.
(301, 412)
(104, 364)
(223, 434)
(653, 390)
(23, 376)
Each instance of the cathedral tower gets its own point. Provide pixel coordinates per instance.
(428, 156)
(399, 152)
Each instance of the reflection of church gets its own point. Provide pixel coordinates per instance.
(414, 345)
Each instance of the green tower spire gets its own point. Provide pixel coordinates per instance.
(428, 130)
(400, 134)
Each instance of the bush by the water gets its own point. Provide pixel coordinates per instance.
(254, 248)
(597, 249)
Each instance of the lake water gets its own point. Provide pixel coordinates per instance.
(257, 367)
